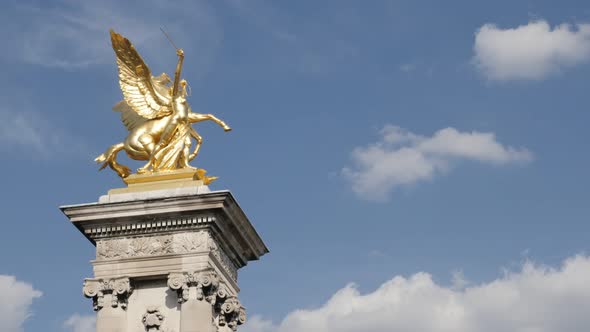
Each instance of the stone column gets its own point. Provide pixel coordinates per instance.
(206, 305)
(197, 295)
(109, 297)
(180, 249)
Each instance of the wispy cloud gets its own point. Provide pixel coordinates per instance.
(376, 253)
(15, 303)
(536, 298)
(24, 130)
(401, 157)
(75, 34)
(530, 52)
(32, 133)
(407, 67)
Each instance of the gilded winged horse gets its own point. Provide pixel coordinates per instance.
(157, 115)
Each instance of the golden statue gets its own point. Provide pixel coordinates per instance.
(157, 116)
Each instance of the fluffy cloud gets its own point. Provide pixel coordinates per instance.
(530, 51)
(534, 299)
(78, 323)
(402, 158)
(15, 303)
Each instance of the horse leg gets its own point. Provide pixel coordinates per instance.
(110, 158)
(148, 144)
(196, 117)
(219, 122)
(184, 162)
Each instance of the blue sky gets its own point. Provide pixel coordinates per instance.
(372, 139)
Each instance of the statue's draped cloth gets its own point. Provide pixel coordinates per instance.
(172, 155)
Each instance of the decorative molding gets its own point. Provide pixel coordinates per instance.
(152, 319)
(119, 288)
(230, 312)
(147, 227)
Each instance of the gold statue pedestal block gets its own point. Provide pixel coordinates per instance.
(166, 259)
(163, 180)
(160, 185)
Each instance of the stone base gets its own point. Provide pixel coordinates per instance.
(168, 259)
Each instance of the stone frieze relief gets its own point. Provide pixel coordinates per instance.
(181, 243)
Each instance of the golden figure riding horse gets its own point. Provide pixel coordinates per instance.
(157, 116)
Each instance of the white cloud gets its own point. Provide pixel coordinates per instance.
(15, 303)
(530, 51)
(459, 282)
(402, 157)
(535, 299)
(81, 323)
(259, 324)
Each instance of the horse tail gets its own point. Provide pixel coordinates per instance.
(109, 158)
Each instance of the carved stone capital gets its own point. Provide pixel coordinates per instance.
(230, 312)
(119, 288)
(206, 284)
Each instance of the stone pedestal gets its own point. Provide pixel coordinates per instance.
(167, 259)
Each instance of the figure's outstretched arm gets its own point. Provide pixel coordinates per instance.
(176, 85)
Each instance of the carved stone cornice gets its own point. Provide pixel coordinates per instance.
(141, 227)
(206, 283)
(215, 210)
(119, 288)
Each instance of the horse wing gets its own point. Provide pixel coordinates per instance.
(130, 118)
(137, 83)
